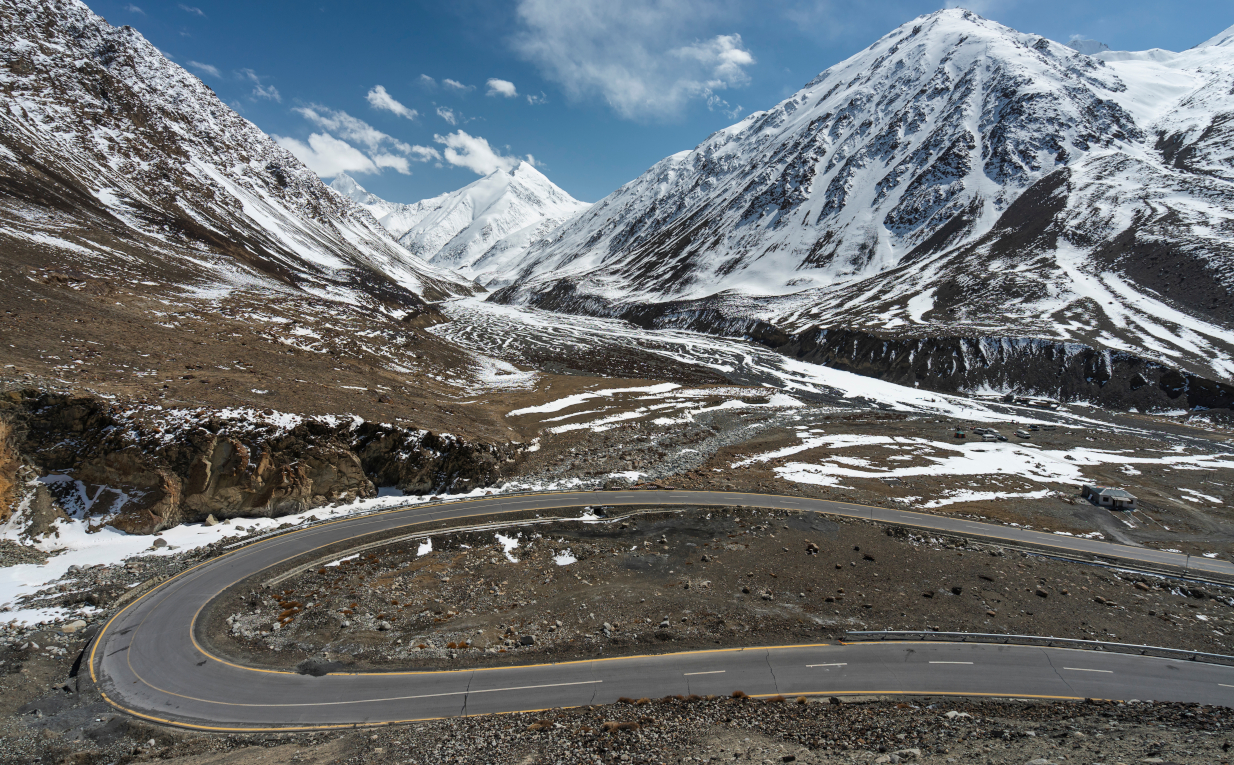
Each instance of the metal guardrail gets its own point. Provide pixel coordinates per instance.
(278, 531)
(421, 535)
(1108, 560)
(861, 636)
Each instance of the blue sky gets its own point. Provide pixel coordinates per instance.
(419, 98)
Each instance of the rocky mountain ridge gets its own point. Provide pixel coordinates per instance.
(955, 179)
(146, 469)
(117, 160)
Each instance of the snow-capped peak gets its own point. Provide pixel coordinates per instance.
(955, 176)
(1088, 47)
(920, 140)
(1224, 40)
(478, 229)
(394, 217)
(347, 186)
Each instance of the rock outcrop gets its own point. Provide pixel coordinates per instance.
(141, 477)
(1025, 365)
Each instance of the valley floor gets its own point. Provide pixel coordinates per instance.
(589, 403)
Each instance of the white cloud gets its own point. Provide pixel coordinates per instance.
(447, 114)
(378, 98)
(498, 87)
(193, 10)
(643, 57)
(134, 9)
(328, 156)
(425, 153)
(474, 153)
(537, 100)
(393, 161)
(723, 56)
(268, 92)
(426, 81)
(350, 128)
(206, 68)
(456, 85)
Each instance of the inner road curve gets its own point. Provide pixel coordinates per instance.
(148, 662)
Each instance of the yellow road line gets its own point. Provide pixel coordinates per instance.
(339, 726)
(433, 508)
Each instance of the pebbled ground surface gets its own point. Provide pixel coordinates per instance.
(663, 580)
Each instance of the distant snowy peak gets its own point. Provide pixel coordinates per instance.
(347, 186)
(394, 217)
(1225, 40)
(493, 220)
(1088, 47)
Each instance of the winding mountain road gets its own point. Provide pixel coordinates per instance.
(148, 662)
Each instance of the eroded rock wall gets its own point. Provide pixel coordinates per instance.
(141, 477)
(1064, 371)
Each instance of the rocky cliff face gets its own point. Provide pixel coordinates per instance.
(1027, 366)
(142, 470)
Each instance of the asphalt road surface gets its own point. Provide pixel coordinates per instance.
(149, 663)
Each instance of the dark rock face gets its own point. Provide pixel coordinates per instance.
(945, 363)
(225, 469)
(1065, 371)
(44, 512)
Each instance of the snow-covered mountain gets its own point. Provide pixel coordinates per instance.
(1088, 47)
(479, 229)
(111, 156)
(394, 217)
(955, 178)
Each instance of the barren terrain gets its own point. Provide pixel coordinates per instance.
(658, 580)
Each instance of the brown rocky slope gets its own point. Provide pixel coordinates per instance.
(158, 468)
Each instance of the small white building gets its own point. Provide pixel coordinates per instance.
(1115, 499)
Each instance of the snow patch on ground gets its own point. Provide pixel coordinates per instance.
(578, 398)
(508, 545)
(72, 544)
(949, 459)
(1195, 495)
(966, 495)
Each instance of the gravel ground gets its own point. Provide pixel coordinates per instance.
(13, 554)
(659, 581)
